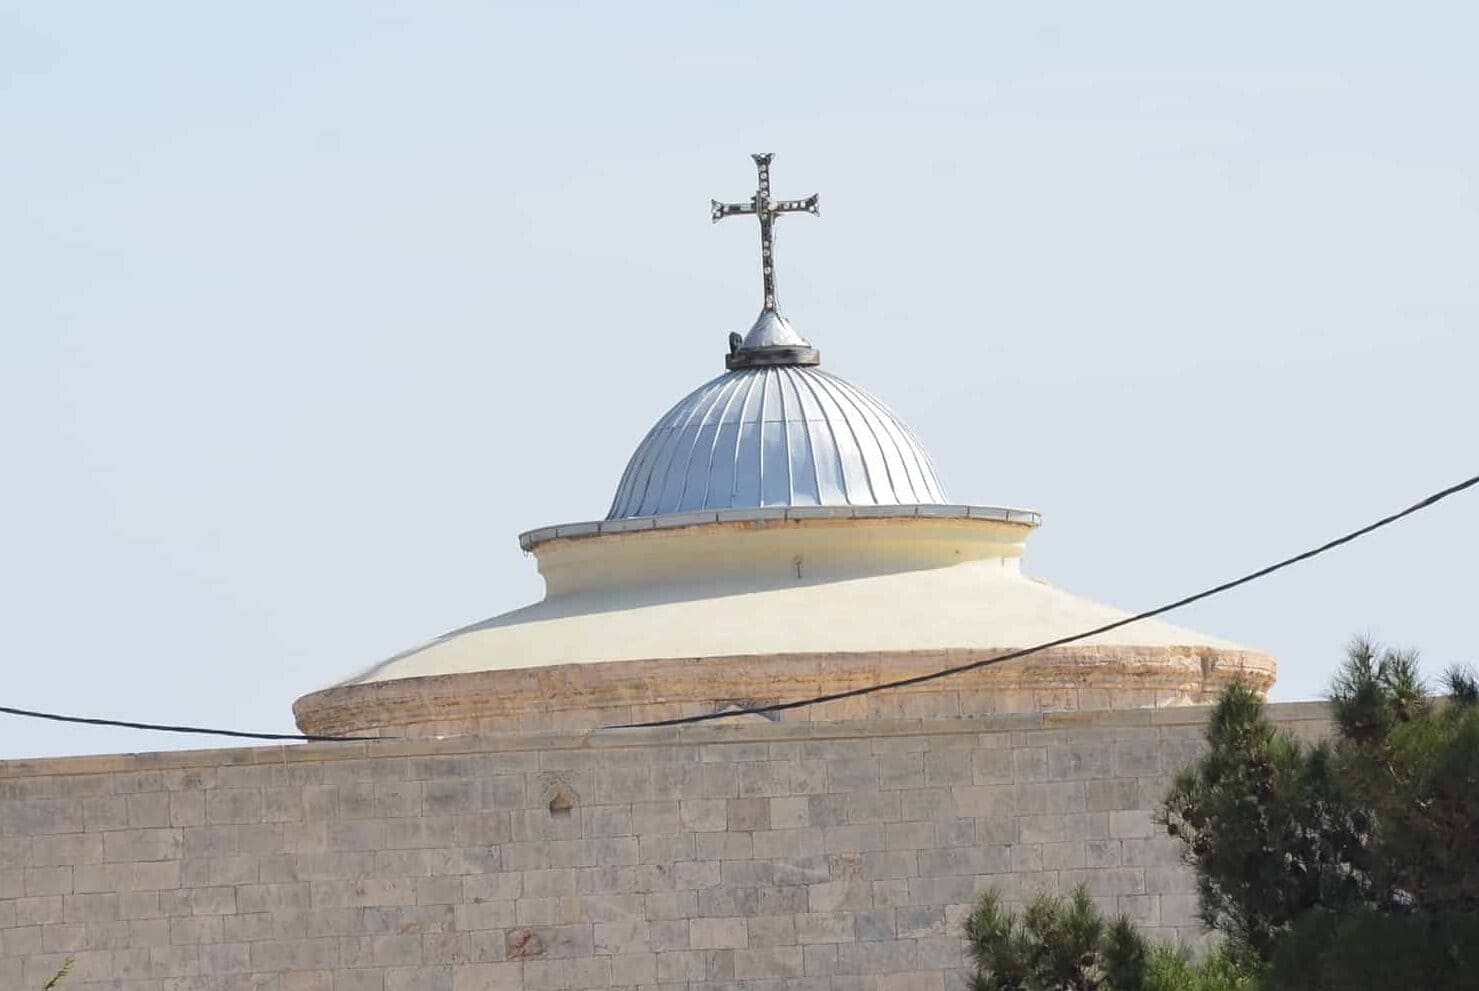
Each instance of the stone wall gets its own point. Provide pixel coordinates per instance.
(775, 856)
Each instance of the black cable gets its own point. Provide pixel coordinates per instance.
(1014, 655)
(205, 730)
(835, 696)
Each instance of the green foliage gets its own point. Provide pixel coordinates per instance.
(1263, 823)
(1367, 950)
(1173, 969)
(1056, 944)
(1336, 862)
(1065, 944)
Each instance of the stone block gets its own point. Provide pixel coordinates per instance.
(854, 839)
(43, 881)
(878, 958)
(950, 767)
(720, 780)
(1151, 851)
(772, 930)
(922, 981)
(704, 815)
(1030, 764)
(1077, 763)
(40, 817)
(872, 806)
(634, 969)
(205, 929)
(428, 978)
(1179, 880)
(980, 801)
(67, 849)
(1111, 795)
(677, 967)
(718, 933)
(717, 846)
(942, 890)
(820, 961)
(873, 924)
(110, 812)
(728, 900)
(1134, 824)
(484, 977)
(213, 901)
(1111, 881)
(824, 927)
(878, 865)
(901, 770)
(664, 848)
(791, 812)
(1061, 828)
(670, 905)
(1137, 758)
(766, 780)
(852, 774)
(918, 921)
(1050, 798)
(146, 809)
(992, 767)
(965, 860)
(788, 844)
(768, 962)
(1071, 855)
(696, 874)
(949, 831)
(747, 814)
(650, 818)
(827, 810)
(235, 805)
(485, 915)
(839, 896)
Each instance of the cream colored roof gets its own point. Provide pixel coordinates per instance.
(982, 604)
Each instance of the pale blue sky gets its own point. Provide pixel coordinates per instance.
(309, 309)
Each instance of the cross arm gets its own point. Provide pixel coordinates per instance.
(722, 210)
(808, 205)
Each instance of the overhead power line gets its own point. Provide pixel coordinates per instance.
(919, 679)
(1431, 500)
(163, 728)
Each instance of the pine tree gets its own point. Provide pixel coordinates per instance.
(1353, 863)
(1066, 944)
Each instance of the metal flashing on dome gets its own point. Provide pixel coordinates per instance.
(772, 340)
(531, 539)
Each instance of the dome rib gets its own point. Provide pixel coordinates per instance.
(764, 436)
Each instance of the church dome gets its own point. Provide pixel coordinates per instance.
(779, 534)
(776, 435)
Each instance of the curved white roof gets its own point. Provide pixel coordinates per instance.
(777, 435)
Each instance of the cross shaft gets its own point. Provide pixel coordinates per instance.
(768, 210)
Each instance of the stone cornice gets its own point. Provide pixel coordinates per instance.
(590, 695)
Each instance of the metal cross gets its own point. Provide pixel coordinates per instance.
(767, 210)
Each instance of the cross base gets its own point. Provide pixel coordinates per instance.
(783, 355)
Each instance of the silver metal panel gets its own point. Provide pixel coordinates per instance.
(776, 435)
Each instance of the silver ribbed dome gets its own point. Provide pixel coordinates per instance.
(784, 435)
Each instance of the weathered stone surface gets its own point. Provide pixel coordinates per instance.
(755, 855)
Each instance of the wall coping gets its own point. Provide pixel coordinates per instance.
(752, 730)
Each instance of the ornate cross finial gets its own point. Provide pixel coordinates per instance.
(767, 210)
